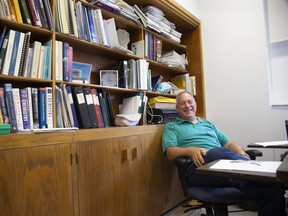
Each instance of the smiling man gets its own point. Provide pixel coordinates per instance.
(190, 136)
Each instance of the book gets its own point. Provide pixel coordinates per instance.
(91, 107)
(85, 23)
(63, 17)
(106, 5)
(81, 107)
(59, 60)
(65, 61)
(49, 107)
(36, 46)
(2, 35)
(81, 72)
(10, 107)
(24, 54)
(97, 107)
(41, 11)
(63, 108)
(40, 63)
(100, 25)
(156, 80)
(72, 105)
(3, 107)
(48, 12)
(8, 53)
(35, 111)
(25, 12)
(16, 53)
(123, 75)
(73, 18)
(24, 98)
(34, 13)
(18, 108)
(94, 37)
(30, 106)
(47, 61)
(59, 122)
(3, 52)
(42, 107)
(70, 64)
(104, 109)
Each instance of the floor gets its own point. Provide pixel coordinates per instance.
(179, 211)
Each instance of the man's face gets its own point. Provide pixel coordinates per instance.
(186, 107)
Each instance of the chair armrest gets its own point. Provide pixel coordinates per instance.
(182, 161)
(253, 153)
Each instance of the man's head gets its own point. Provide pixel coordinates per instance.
(186, 106)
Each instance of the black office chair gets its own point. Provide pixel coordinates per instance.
(214, 200)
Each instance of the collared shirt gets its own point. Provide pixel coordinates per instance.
(183, 133)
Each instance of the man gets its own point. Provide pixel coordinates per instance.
(190, 136)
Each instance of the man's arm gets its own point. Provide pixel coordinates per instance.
(195, 153)
(236, 148)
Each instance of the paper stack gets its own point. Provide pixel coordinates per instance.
(173, 59)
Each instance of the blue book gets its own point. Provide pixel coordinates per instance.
(47, 70)
(25, 108)
(42, 107)
(73, 109)
(87, 33)
(92, 26)
(10, 107)
(65, 61)
(2, 36)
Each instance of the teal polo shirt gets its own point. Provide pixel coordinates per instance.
(182, 133)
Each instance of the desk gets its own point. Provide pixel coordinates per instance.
(281, 174)
(274, 144)
(282, 171)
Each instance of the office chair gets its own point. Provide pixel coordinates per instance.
(214, 200)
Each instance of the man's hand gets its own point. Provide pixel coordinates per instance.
(197, 156)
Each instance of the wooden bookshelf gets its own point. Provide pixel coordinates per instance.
(101, 171)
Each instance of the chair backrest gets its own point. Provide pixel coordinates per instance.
(182, 164)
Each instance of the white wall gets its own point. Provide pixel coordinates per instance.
(235, 71)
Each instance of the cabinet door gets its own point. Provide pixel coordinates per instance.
(36, 181)
(121, 176)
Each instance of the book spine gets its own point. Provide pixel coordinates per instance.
(41, 11)
(24, 97)
(24, 54)
(3, 107)
(30, 106)
(35, 108)
(14, 54)
(49, 107)
(48, 62)
(42, 107)
(36, 45)
(25, 12)
(72, 105)
(18, 108)
(6, 9)
(3, 52)
(158, 49)
(65, 61)
(7, 59)
(48, 13)
(34, 13)
(11, 107)
(15, 3)
(59, 122)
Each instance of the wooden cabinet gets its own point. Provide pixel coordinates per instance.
(128, 173)
(36, 181)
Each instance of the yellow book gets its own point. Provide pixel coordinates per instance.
(179, 81)
(161, 99)
(17, 11)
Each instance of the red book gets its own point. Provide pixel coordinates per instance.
(97, 107)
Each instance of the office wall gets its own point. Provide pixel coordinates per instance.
(235, 71)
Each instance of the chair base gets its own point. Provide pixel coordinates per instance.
(212, 209)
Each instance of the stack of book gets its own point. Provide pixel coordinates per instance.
(21, 57)
(26, 108)
(160, 102)
(33, 12)
(83, 107)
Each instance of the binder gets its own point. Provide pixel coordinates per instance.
(72, 105)
(97, 107)
(90, 106)
(81, 107)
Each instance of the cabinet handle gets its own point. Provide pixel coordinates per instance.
(125, 155)
(134, 153)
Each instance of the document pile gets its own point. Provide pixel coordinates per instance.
(154, 18)
(127, 11)
(127, 119)
(173, 59)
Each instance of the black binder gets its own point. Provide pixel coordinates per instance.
(90, 106)
(81, 107)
